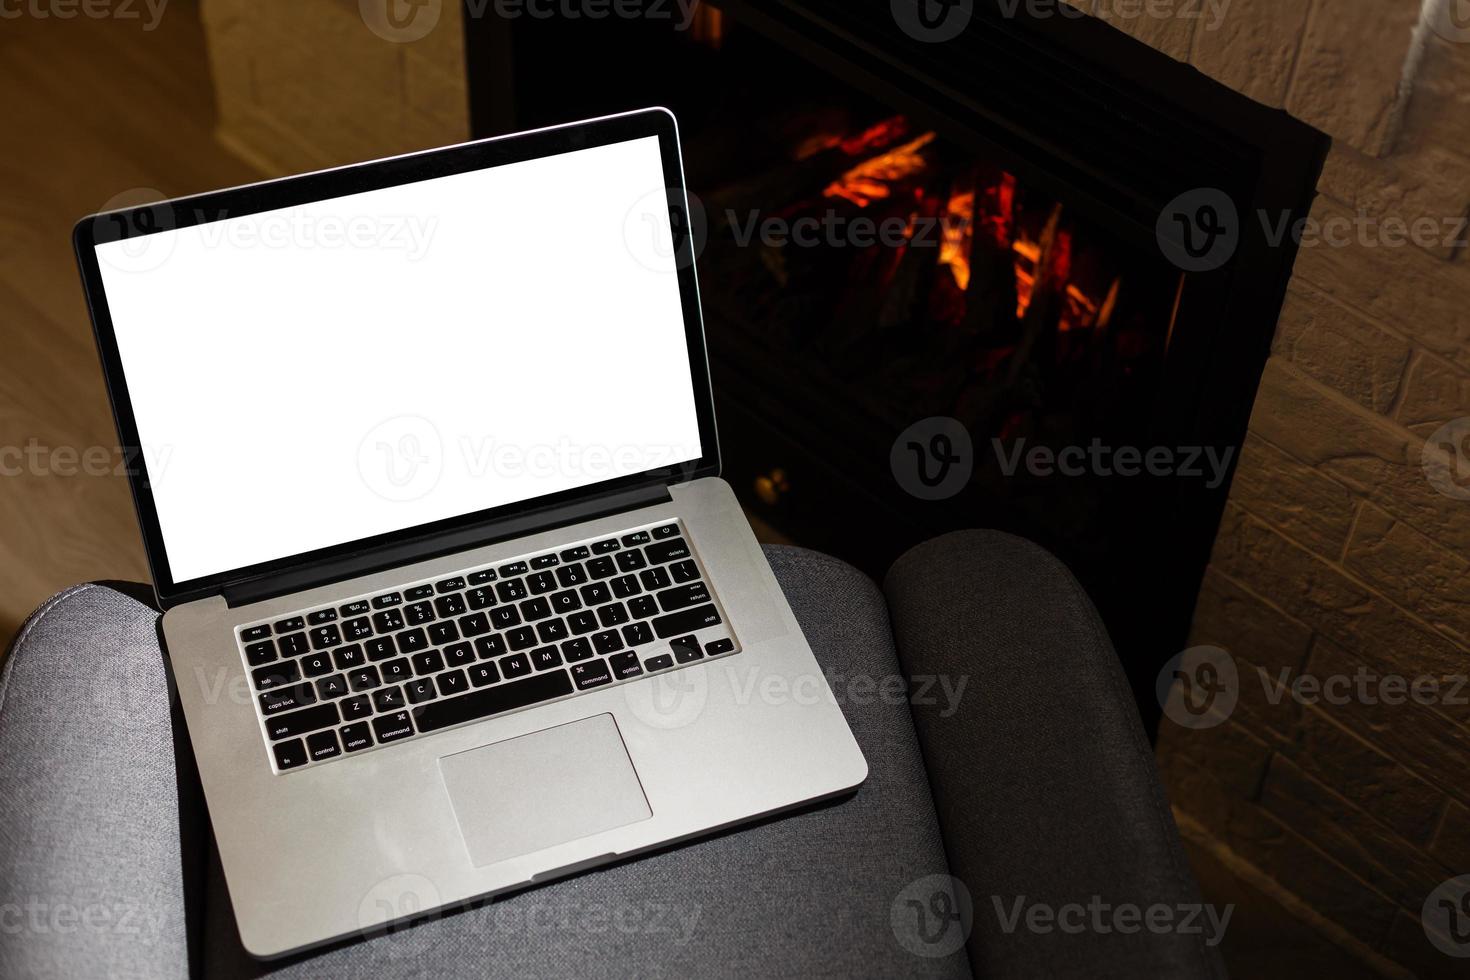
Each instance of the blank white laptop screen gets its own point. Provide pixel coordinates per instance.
(316, 375)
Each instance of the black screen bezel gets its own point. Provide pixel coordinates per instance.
(375, 175)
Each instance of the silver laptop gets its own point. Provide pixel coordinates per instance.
(425, 459)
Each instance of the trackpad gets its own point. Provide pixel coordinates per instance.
(543, 789)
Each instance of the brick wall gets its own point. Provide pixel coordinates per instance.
(305, 85)
(1338, 557)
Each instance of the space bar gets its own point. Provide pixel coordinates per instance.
(492, 701)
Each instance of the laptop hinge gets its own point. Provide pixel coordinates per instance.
(421, 549)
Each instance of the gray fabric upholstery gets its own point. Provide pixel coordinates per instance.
(90, 879)
(809, 894)
(1043, 780)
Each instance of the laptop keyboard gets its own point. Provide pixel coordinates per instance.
(330, 682)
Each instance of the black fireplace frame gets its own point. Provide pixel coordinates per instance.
(1097, 118)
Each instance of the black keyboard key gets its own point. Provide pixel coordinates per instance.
(541, 583)
(290, 754)
(493, 700)
(290, 698)
(380, 648)
(565, 602)
(654, 579)
(534, 609)
(683, 596)
(490, 646)
(624, 665)
(667, 551)
(513, 569)
(357, 629)
(428, 663)
(582, 622)
(396, 671)
(276, 675)
(384, 601)
(332, 687)
(359, 608)
(602, 568)
(613, 614)
(419, 613)
(505, 617)
(260, 653)
(717, 647)
(316, 665)
(412, 641)
(451, 683)
(577, 650)
(596, 594)
(607, 642)
(626, 585)
(594, 673)
(388, 699)
(576, 554)
(637, 634)
(322, 745)
(662, 662)
(355, 737)
(686, 650)
(551, 631)
(480, 598)
(689, 619)
(420, 690)
(667, 531)
(450, 605)
(419, 592)
(456, 584)
(255, 633)
(322, 616)
(570, 575)
(636, 538)
(363, 680)
(544, 561)
(513, 591)
(300, 722)
(325, 637)
(631, 561)
(294, 645)
(521, 638)
(346, 658)
(516, 665)
(358, 706)
(459, 655)
(482, 674)
(481, 577)
(603, 547)
(388, 620)
(291, 625)
(643, 607)
(546, 658)
(442, 633)
(685, 571)
(390, 728)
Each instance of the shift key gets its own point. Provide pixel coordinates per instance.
(687, 621)
(301, 722)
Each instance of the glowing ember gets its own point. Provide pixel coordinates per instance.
(870, 180)
(954, 250)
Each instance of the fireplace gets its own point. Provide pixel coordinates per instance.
(1002, 230)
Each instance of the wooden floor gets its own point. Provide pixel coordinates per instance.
(90, 108)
